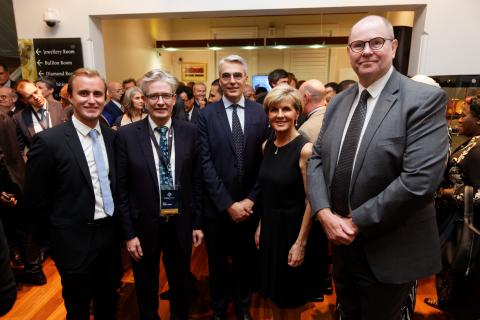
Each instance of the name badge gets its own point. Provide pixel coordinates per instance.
(169, 202)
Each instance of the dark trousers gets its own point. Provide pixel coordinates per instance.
(224, 240)
(359, 294)
(97, 279)
(146, 273)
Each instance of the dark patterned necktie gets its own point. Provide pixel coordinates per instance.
(238, 139)
(166, 180)
(343, 170)
(42, 117)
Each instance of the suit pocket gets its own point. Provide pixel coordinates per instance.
(392, 140)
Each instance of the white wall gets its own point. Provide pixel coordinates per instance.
(443, 41)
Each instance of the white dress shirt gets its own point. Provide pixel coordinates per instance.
(240, 111)
(87, 142)
(375, 89)
(155, 154)
(36, 125)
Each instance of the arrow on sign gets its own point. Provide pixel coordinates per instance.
(39, 63)
(38, 51)
(40, 73)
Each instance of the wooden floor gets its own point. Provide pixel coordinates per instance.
(45, 302)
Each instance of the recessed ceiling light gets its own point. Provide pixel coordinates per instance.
(249, 47)
(280, 47)
(215, 48)
(316, 46)
(171, 49)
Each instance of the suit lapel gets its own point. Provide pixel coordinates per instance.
(108, 140)
(223, 122)
(341, 117)
(27, 116)
(75, 146)
(179, 137)
(55, 114)
(249, 119)
(145, 143)
(387, 98)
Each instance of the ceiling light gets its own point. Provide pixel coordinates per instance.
(280, 47)
(316, 46)
(249, 47)
(171, 49)
(215, 48)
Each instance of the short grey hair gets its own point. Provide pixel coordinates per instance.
(233, 58)
(158, 75)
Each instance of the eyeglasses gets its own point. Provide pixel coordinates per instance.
(166, 97)
(228, 76)
(3, 96)
(374, 44)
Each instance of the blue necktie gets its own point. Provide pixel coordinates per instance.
(166, 180)
(108, 205)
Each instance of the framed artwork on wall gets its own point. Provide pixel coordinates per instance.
(193, 71)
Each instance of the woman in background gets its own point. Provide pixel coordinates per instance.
(134, 104)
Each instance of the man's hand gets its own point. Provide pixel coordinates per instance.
(8, 199)
(339, 230)
(197, 236)
(247, 205)
(238, 212)
(135, 249)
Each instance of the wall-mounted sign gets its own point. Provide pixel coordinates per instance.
(194, 72)
(58, 58)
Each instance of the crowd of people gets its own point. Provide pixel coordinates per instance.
(276, 183)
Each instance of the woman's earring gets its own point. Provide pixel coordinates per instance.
(296, 123)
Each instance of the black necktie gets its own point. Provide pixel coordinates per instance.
(238, 139)
(343, 170)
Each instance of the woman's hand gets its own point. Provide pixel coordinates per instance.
(257, 235)
(296, 255)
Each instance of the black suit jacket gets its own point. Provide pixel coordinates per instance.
(24, 121)
(58, 186)
(219, 164)
(12, 166)
(111, 112)
(138, 190)
(180, 114)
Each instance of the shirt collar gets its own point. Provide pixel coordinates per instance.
(376, 88)
(315, 111)
(83, 128)
(227, 103)
(42, 107)
(117, 104)
(153, 125)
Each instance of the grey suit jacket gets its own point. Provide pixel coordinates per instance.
(311, 128)
(399, 165)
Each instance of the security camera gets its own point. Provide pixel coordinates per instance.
(51, 17)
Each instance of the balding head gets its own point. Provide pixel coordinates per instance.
(313, 95)
(115, 90)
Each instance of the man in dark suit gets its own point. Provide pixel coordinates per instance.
(159, 196)
(70, 181)
(231, 132)
(375, 167)
(113, 109)
(200, 94)
(39, 115)
(188, 111)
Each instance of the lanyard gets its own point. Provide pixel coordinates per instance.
(157, 147)
(45, 117)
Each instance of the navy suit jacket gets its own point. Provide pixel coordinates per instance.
(138, 190)
(219, 163)
(111, 112)
(180, 114)
(58, 186)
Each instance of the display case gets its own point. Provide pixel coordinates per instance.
(458, 87)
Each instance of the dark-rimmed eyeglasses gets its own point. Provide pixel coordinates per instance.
(374, 44)
(235, 75)
(154, 97)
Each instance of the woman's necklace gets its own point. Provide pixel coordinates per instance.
(288, 141)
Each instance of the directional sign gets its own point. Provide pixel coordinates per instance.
(58, 58)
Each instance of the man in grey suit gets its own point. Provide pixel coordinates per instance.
(372, 176)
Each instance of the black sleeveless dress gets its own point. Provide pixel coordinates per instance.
(283, 208)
